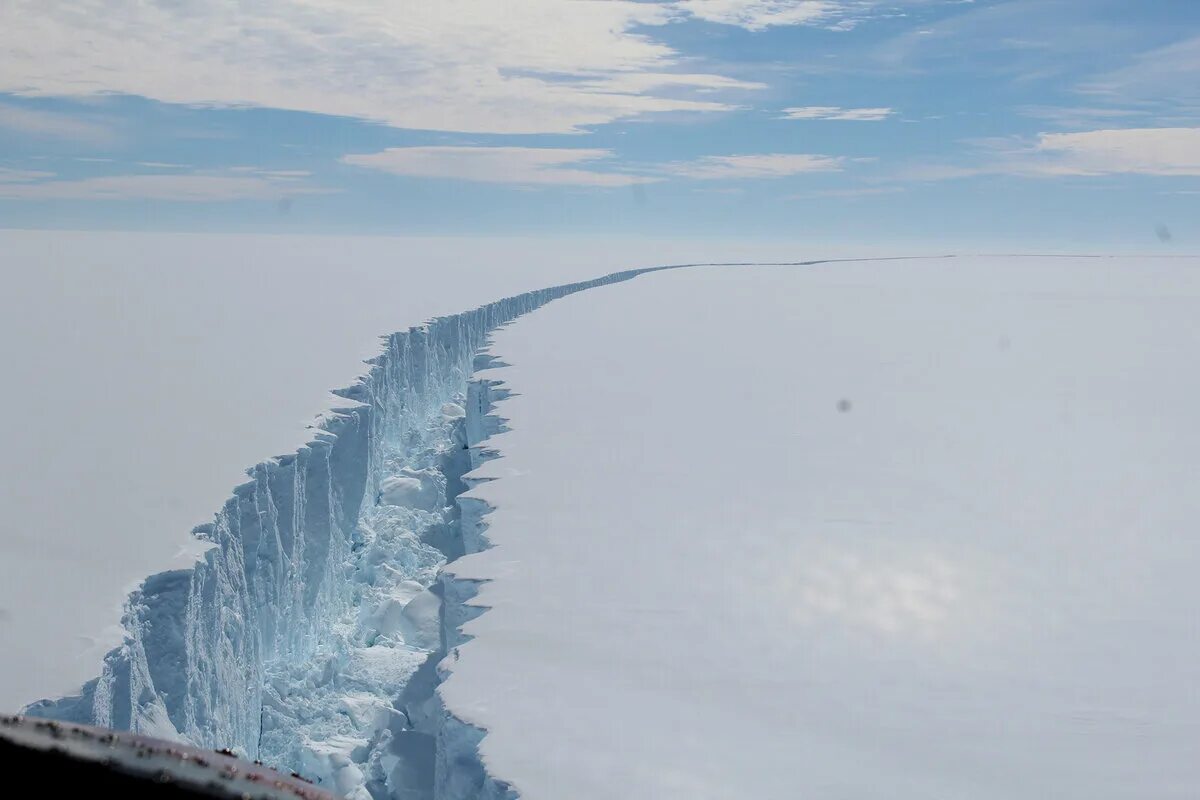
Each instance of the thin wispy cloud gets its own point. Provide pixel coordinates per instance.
(1163, 152)
(526, 166)
(759, 15)
(1013, 40)
(1169, 74)
(758, 166)
(55, 125)
(838, 113)
(184, 188)
(1080, 116)
(847, 194)
(548, 166)
(22, 175)
(1141, 151)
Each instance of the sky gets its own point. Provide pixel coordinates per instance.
(1068, 123)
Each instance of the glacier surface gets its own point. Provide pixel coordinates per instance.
(912, 529)
(143, 372)
(698, 524)
(308, 636)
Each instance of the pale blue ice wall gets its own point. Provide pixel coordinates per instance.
(202, 644)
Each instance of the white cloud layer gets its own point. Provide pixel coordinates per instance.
(544, 166)
(187, 188)
(1170, 73)
(1142, 151)
(757, 15)
(37, 123)
(22, 175)
(531, 166)
(1126, 151)
(520, 66)
(765, 165)
(847, 194)
(838, 113)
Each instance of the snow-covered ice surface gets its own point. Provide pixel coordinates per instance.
(143, 373)
(913, 529)
(760, 529)
(308, 631)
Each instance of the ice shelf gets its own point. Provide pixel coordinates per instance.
(309, 634)
(318, 629)
(903, 530)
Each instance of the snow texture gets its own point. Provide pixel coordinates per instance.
(307, 635)
(292, 639)
(911, 529)
(143, 373)
(707, 580)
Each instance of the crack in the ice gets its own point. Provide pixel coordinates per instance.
(266, 645)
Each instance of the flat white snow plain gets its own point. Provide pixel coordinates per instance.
(912, 529)
(144, 372)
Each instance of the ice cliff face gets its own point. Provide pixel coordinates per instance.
(310, 634)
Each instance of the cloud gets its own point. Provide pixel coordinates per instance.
(520, 66)
(835, 112)
(1079, 116)
(847, 194)
(38, 123)
(766, 165)
(22, 175)
(1018, 39)
(189, 188)
(1168, 74)
(1127, 151)
(1142, 151)
(757, 15)
(532, 166)
(550, 166)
